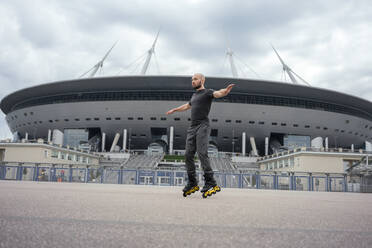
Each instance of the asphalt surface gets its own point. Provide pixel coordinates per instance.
(43, 214)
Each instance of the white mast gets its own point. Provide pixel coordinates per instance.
(289, 71)
(149, 54)
(95, 68)
(232, 64)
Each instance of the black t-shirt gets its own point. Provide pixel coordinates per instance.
(200, 103)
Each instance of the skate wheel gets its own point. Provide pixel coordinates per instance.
(184, 194)
(205, 195)
(218, 189)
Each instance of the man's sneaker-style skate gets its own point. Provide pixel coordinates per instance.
(210, 189)
(189, 189)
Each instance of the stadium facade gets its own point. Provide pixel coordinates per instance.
(260, 114)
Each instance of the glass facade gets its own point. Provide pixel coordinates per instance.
(75, 137)
(295, 141)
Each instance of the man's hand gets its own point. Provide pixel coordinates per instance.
(228, 88)
(170, 112)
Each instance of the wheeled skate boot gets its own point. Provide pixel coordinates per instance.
(190, 188)
(192, 185)
(210, 188)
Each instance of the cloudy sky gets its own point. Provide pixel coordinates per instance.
(328, 42)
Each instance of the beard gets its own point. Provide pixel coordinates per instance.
(197, 87)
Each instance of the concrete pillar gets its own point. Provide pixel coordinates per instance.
(368, 146)
(116, 139)
(49, 135)
(253, 145)
(326, 143)
(266, 146)
(125, 133)
(317, 142)
(243, 143)
(352, 147)
(26, 136)
(103, 142)
(171, 140)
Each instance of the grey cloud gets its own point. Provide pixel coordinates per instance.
(326, 42)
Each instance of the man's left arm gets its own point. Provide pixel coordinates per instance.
(223, 92)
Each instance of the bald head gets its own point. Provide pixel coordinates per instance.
(200, 76)
(198, 81)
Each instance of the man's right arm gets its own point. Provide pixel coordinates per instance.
(179, 109)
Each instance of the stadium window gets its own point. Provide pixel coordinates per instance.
(67, 120)
(117, 118)
(50, 121)
(225, 137)
(214, 120)
(163, 118)
(178, 136)
(87, 119)
(29, 123)
(350, 132)
(295, 125)
(25, 114)
(251, 122)
(228, 121)
(76, 119)
(307, 126)
(96, 118)
(342, 131)
(35, 122)
(347, 121)
(16, 116)
(153, 118)
(140, 118)
(31, 113)
(356, 133)
(188, 119)
(238, 121)
(134, 135)
(108, 118)
(274, 123)
(366, 126)
(336, 130)
(214, 132)
(130, 118)
(24, 124)
(56, 120)
(317, 127)
(283, 124)
(177, 119)
(325, 128)
(261, 122)
(143, 135)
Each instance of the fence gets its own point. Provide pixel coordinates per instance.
(253, 180)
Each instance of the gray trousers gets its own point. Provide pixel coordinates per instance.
(197, 141)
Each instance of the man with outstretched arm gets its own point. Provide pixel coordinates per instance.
(198, 134)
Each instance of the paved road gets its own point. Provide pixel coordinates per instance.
(43, 214)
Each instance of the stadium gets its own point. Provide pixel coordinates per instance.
(278, 112)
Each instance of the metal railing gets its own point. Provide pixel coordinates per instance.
(177, 177)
